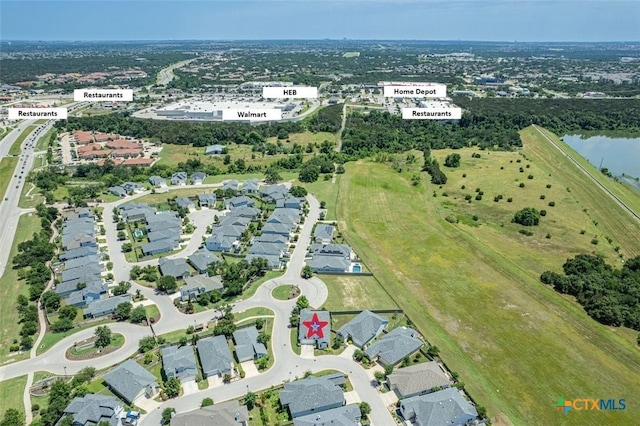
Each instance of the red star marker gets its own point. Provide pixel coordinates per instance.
(315, 326)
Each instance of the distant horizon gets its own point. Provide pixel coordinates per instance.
(317, 39)
(506, 21)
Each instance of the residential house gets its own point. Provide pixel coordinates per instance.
(81, 262)
(394, 346)
(323, 234)
(215, 356)
(201, 260)
(207, 199)
(90, 410)
(229, 413)
(67, 288)
(365, 327)
(179, 362)
(215, 149)
(86, 296)
(329, 264)
(159, 247)
(290, 202)
(198, 178)
(311, 396)
(273, 262)
(240, 201)
(78, 253)
(220, 242)
(132, 187)
(89, 272)
(246, 344)
(200, 284)
(103, 307)
(347, 415)
(314, 328)
(172, 234)
(232, 220)
(118, 191)
(248, 212)
(179, 178)
(273, 193)
(250, 186)
(445, 407)
(418, 379)
(176, 268)
(230, 185)
(277, 228)
(131, 382)
(272, 238)
(157, 181)
(185, 203)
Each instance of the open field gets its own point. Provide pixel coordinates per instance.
(50, 339)
(15, 148)
(352, 292)
(474, 291)
(10, 287)
(174, 154)
(7, 167)
(351, 54)
(43, 142)
(324, 191)
(33, 198)
(11, 394)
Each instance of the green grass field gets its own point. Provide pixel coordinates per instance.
(11, 394)
(324, 191)
(347, 292)
(10, 287)
(15, 148)
(43, 142)
(33, 199)
(282, 292)
(50, 339)
(351, 54)
(7, 167)
(474, 291)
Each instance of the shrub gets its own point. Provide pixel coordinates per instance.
(530, 177)
(501, 167)
(518, 161)
(463, 187)
(509, 200)
(548, 185)
(542, 197)
(479, 197)
(496, 199)
(521, 170)
(521, 185)
(525, 232)
(464, 175)
(543, 212)
(477, 189)
(467, 197)
(451, 219)
(548, 236)
(594, 241)
(552, 203)
(582, 232)
(528, 165)
(527, 217)
(475, 218)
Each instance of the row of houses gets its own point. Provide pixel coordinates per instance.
(163, 228)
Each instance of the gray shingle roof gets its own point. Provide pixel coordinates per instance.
(80, 262)
(202, 283)
(271, 249)
(157, 181)
(105, 306)
(92, 409)
(230, 184)
(348, 415)
(276, 228)
(129, 379)
(328, 263)
(161, 246)
(179, 362)
(198, 176)
(78, 253)
(248, 212)
(240, 201)
(246, 344)
(273, 261)
(176, 268)
(394, 346)
(364, 327)
(215, 356)
(202, 258)
(164, 234)
(184, 203)
(312, 393)
(229, 413)
(323, 232)
(445, 407)
(418, 378)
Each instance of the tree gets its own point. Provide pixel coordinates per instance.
(309, 173)
(127, 247)
(388, 369)
(259, 323)
(527, 217)
(307, 272)
(167, 414)
(146, 344)
(226, 378)
(452, 160)
(206, 402)
(121, 235)
(250, 400)
(51, 300)
(59, 397)
(298, 191)
(263, 338)
(271, 175)
(379, 376)
(122, 288)
(103, 336)
(62, 325)
(123, 310)
(138, 314)
(358, 355)
(262, 363)
(68, 312)
(172, 387)
(433, 351)
(167, 283)
(365, 409)
(26, 342)
(12, 417)
(302, 302)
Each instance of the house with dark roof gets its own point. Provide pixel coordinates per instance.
(323, 234)
(80, 262)
(273, 262)
(445, 407)
(250, 186)
(179, 178)
(315, 328)
(179, 362)
(158, 247)
(176, 268)
(86, 296)
(247, 346)
(165, 234)
(198, 178)
(273, 193)
(215, 149)
(394, 346)
(246, 212)
(118, 191)
(157, 181)
(272, 238)
(100, 308)
(234, 220)
(67, 288)
(185, 203)
(201, 259)
(215, 356)
(310, 396)
(277, 228)
(418, 379)
(347, 415)
(290, 202)
(230, 185)
(198, 285)
(219, 242)
(240, 201)
(131, 382)
(132, 187)
(89, 410)
(207, 199)
(365, 327)
(78, 253)
(329, 264)
(229, 413)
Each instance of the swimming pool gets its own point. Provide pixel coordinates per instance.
(357, 268)
(138, 233)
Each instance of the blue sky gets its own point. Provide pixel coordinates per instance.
(497, 20)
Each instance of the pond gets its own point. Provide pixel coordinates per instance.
(619, 155)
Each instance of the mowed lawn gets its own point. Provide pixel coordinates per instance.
(351, 292)
(475, 291)
(7, 167)
(10, 287)
(15, 148)
(324, 190)
(11, 394)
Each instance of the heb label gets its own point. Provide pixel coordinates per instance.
(291, 92)
(416, 91)
(103, 95)
(432, 113)
(27, 113)
(249, 114)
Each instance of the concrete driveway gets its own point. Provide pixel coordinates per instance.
(306, 351)
(352, 397)
(214, 381)
(190, 387)
(250, 369)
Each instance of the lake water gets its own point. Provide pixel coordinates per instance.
(621, 155)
